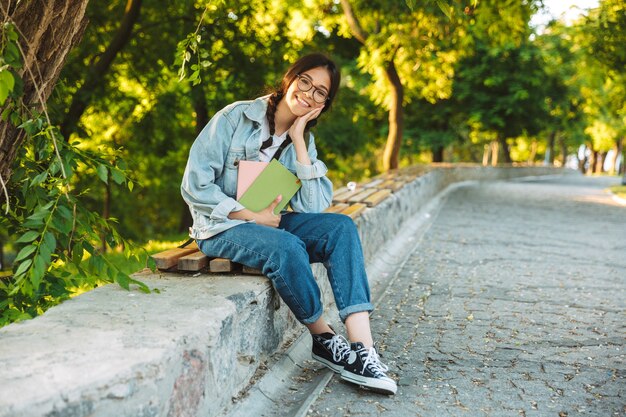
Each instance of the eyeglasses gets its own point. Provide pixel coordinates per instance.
(305, 84)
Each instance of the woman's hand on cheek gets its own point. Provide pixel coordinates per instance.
(296, 131)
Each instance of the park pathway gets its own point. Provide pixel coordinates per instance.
(512, 305)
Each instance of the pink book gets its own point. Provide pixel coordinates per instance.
(247, 173)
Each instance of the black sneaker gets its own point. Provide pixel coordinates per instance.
(363, 367)
(330, 350)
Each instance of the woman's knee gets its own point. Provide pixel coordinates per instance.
(289, 248)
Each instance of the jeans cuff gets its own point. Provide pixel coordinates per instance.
(357, 308)
(313, 318)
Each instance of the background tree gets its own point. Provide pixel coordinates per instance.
(565, 126)
(36, 22)
(404, 50)
(608, 28)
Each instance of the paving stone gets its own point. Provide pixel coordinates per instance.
(512, 305)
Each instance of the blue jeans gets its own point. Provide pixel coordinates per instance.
(284, 255)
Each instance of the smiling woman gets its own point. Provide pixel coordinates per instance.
(284, 245)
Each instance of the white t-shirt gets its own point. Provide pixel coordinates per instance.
(265, 155)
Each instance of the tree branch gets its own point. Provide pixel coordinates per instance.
(358, 32)
(95, 77)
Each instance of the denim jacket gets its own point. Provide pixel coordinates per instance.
(209, 183)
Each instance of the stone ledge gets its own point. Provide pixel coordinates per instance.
(188, 350)
(142, 354)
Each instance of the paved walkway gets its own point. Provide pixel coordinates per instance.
(512, 305)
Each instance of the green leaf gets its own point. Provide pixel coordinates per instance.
(77, 253)
(123, 280)
(28, 237)
(5, 113)
(65, 212)
(142, 287)
(23, 267)
(117, 176)
(62, 225)
(25, 252)
(33, 224)
(103, 173)
(50, 241)
(38, 271)
(130, 186)
(39, 214)
(39, 179)
(194, 75)
(45, 253)
(445, 8)
(47, 247)
(151, 263)
(12, 55)
(89, 248)
(4, 88)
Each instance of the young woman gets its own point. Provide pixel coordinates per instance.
(283, 246)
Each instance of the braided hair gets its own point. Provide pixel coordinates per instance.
(272, 103)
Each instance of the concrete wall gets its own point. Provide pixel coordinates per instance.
(188, 350)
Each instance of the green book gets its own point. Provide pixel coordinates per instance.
(275, 179)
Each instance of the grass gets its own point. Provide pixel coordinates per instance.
(619, 190)
(128, 266)
(152, 246)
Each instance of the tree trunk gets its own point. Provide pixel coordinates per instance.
(593, 159)
(495, 152)
(48, 31)
(396, 112)
(600, 162)
(533, 153)
(438, 153)
(396, 119)
(550, 150)
(618, 151)
(563, 155)
(486, 151)
(94, 79)
(506, 153)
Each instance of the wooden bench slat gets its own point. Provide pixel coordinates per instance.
(392, 184)
(373, 184)
(193, 262)
(354, 210)
(386, 183)
(377, 197)
(169, 258)
(397, 185)
(340, 190)
(343, 197)
(220, 265)
(337, 208)
(361, 196)
(251, 271)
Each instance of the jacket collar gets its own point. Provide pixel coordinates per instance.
(256, 111)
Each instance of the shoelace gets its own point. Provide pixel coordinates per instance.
(339, 346)
(372, 362)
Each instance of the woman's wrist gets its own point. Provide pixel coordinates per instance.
(302, 155)
(244, 214)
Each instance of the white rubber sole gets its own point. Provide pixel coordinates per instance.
(383, 386)
(333, 367)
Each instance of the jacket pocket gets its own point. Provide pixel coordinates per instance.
(233, 158)
(230, 173)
